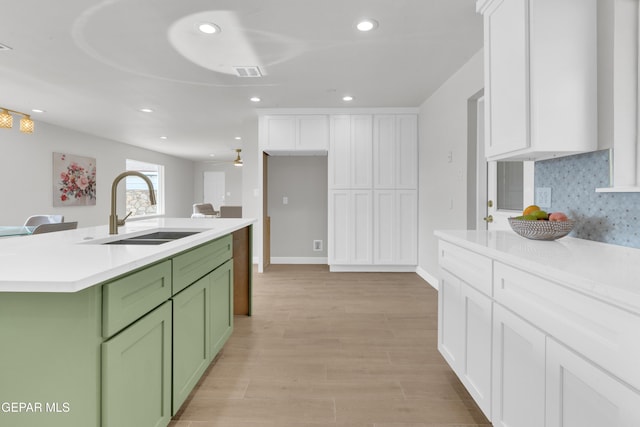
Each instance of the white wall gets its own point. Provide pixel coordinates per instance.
(443, 185)
(232, 182)
(26, 174)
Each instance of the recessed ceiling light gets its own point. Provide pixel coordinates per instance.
(163, 137)
(212, 155)
(238, 138)
(37, 110)
(347, 98)
(208, 28)
(146, 110)
(255, 99)
(367, 25)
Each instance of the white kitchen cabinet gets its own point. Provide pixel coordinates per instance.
(373, 211)
(540, 77)
(600, 332)
(350, 151)
(564, 341)
(294, 133)
(464, 336)
(350, 227)
(451, 320)
(518, 371)
(465, 321)
(395, 227)
(475, 373)
(395, 148)
(581, 394)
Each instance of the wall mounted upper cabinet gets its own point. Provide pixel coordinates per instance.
(540, 77)
(294, 134)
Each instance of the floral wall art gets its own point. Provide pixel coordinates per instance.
(74, 180)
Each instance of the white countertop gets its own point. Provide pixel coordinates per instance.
(69, 261)
(608, 272)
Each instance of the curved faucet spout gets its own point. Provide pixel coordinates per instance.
(114, 222)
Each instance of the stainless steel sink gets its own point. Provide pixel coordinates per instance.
(155, 238)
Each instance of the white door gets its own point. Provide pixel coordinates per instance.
(214, 191)
(504, 188)
(509, 191)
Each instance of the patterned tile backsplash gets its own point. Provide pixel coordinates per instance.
(603, 217)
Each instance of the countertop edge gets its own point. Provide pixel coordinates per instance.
(604, 290)
(211, 231)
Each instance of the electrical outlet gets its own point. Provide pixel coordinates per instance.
(285, 200)
(543, 197)
(317, 245)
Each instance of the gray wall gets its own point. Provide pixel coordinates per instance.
(294, 226)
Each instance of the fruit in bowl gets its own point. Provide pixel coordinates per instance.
(558, 216)
(536, 224)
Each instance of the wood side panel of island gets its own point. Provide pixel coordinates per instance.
(242, 271)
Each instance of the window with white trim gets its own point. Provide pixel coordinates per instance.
(137, 191)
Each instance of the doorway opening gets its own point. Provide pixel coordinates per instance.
(496, 190)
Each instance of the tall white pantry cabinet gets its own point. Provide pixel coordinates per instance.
(373, 181)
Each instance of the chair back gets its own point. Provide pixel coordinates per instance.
(231, 211)
(60, 226)
(34, 220)
(203, 210)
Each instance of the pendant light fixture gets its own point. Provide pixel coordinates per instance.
(238, 160)
(6, 120)
(26, 124)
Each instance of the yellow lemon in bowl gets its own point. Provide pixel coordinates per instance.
(530, 209)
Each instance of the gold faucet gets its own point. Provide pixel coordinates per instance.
(114, 222)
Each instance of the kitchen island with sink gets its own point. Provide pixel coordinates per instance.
(116, 330)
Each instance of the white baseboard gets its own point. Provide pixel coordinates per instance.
(373, 268)
(298, 260)
(430, 279)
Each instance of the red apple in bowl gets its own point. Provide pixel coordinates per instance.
(558, 216)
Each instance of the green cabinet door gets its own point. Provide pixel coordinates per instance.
(191, 325)
(221, 306)
(136, 373)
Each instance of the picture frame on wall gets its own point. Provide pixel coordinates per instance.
(74, 180)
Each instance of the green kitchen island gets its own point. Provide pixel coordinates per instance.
(98, 333)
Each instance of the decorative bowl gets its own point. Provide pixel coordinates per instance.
(541, 230)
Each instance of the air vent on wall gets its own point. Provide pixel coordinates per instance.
(250, 71)
(4, 47)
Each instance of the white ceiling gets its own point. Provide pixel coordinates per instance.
(93, 64)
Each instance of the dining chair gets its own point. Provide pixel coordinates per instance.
(231, 211)
(59, 226)
(43, 219)
(204, 210)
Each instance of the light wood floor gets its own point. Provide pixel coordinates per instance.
(333, 349)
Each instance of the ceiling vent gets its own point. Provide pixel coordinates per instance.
(250, 71)
(4, 47)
